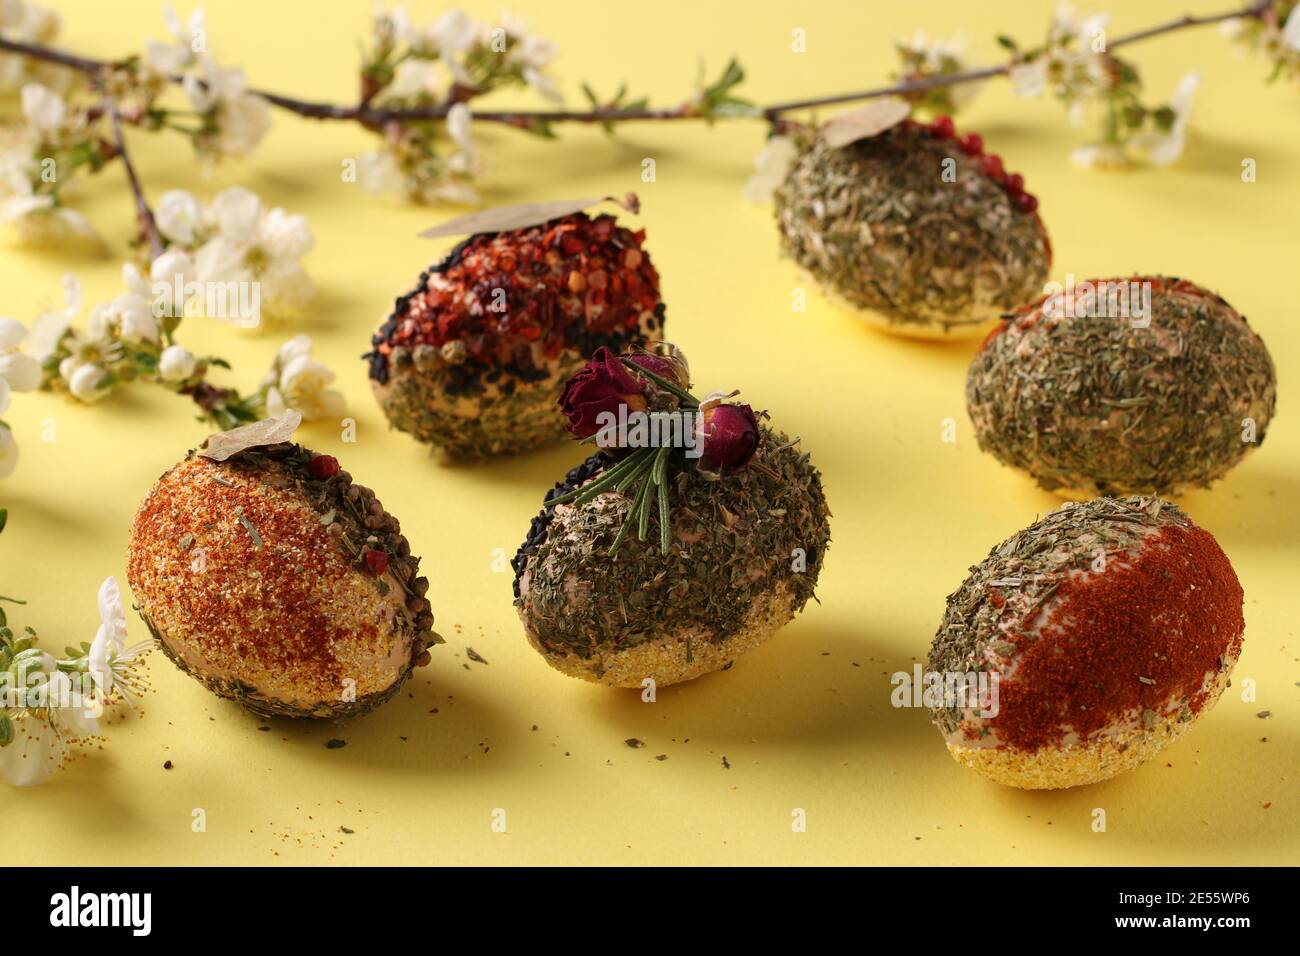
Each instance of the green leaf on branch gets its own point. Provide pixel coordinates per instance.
(716, 99)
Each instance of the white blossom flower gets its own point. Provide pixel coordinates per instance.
(110, 662)
(532, 54)
(242, 118)
(173, 57)
(44, 109)
(29, 23)
(176, 364)
(179, 216)
(379, 172)
(770, 167)
(252, 245)
(415, 78)
(8, 452)
(19, 372)
(939, 57)
(449, 35)
(1291, 32)
(47, 331)
(1165, 146)
(87, 382)
(39, 217)
(53, 718)
(298, 381)
(129, 316)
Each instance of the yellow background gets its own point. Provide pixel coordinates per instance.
(805, 721)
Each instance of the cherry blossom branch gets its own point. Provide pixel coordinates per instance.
(148, 225)
(377, 116)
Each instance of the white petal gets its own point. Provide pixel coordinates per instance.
(36, 752)
(12, 334)
(43, 107)
(5, 397)
(178, 214)
(235, 212)
(285, 235)
(21, 372)
(1291, 33)
(459, 125)
(72, 297)
(297, 347)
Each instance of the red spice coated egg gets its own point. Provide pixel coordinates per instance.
(276, 582)
(1086, 644)
(1139, 385)
(473, 359)
(914, 229)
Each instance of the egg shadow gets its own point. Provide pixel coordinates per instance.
(1165, 804)
(840, 695)
(435, 724)
(1248, 504)
(539, 468)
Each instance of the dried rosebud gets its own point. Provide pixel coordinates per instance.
(323, 466)
(730, 438)
(602, 385)
(376, 562)
(667, 361)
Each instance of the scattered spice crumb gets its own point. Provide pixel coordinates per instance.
(334, 743)
(264, 728)
(474, 656)
(346, 830)
(167, 765)
(633, 742)
(726, 764)
(661, 756)
(1264, 714)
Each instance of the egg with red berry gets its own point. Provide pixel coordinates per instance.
(472, 359)
(911, 226)
(274, 580)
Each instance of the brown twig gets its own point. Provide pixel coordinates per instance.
(375, 117)
(148, 225)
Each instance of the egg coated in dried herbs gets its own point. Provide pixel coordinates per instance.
(915, 229)
(1146, 385)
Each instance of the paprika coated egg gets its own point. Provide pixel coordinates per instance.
(1085, 645)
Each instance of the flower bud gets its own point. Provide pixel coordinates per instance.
(602, 386)
(88, 383)
(175, 364)
(730, 438)
(665, 360)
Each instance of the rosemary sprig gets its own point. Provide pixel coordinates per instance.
(607, 478)
(661, 483)
(637, 503)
